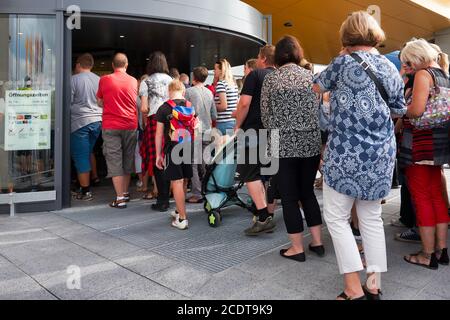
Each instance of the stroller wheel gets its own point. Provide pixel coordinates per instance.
(214, 219)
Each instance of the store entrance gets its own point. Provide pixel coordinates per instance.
(185, 47)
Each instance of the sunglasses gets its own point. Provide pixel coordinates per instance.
(408, 64)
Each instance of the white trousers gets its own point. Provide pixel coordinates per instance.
(337, 212)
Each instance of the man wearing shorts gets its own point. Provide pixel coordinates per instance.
(248, 117)
(117, 93)
(86, 121)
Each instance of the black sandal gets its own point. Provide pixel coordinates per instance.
(371, 296)
(344, 296)
(118, 204)
(433, 265)
(126, 196)
(443, 257)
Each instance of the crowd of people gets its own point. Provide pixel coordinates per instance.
(354, 122)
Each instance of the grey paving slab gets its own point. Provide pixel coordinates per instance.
(265, 266)
(103, 244)
(145, 262)
(312, 273)
(224, 284)
(428, 297)
(441, 284)
(95, 279)
(183, 279)
(270, 291)
(139, 290)
(105, 218)
(16, 285)
(8, 224)
(38, 248)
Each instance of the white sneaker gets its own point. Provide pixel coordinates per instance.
(180, 225)
(174, 215)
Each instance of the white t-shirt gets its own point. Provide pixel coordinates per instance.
(156, 88)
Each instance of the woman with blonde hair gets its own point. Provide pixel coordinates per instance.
(226, 96)
(442, 58)
(360, 154)
(423, 152)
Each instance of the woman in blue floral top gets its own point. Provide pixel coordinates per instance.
(360, 154)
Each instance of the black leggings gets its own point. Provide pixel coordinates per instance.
(297, 176)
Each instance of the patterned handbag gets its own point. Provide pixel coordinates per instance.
(437, 110)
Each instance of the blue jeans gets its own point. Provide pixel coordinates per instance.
(82, 144)
(224, 126)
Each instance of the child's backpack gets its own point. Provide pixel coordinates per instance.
(182, 122)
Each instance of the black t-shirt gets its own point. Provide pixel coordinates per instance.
(163, 115)
(252, 87)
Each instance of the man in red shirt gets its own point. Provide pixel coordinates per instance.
(117, 94)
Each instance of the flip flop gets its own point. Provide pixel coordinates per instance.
(190, 200)
(148, 197)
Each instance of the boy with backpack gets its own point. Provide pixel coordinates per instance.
(175, 125)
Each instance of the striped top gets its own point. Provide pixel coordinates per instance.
(425, 147)
(232, 93)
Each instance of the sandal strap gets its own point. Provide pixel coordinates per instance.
(344, 296)
(116, 203)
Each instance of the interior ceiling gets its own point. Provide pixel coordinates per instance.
(316, 23)
(183, 46)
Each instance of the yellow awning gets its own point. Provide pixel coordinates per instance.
(316, 23)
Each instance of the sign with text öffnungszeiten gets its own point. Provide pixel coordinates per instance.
(27, 119)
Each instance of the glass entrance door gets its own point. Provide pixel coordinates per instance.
(27, 103)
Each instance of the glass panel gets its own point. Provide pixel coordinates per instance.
(27, 102)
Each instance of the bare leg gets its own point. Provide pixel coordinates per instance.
(118, 183)
(296, 244)
(94, 171)
(444, 188)
(126, 183)
(352, 284)
(258, 193)
(84, 179)
(316, 233)
(441, 235)
(179, 195)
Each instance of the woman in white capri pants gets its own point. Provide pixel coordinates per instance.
(360, 154)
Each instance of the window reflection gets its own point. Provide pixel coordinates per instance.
(27, 100)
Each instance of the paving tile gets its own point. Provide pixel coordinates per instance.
(270, 291)
(139, 290)
(225, 284)
(183, 279)
(145, 262)
(103, 244)
(95, 279)
(37, 248)
(440, 285)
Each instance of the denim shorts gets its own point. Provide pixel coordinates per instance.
(82, 144)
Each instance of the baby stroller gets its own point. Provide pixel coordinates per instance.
(219, 187)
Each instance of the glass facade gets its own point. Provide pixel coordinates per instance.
(27, 103)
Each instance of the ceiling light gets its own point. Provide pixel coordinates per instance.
(20, 33)
(192, 46)
(122, 36)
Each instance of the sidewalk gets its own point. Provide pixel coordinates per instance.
(135, 254)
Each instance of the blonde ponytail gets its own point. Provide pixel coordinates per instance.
(443, 62)
(442, 59)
